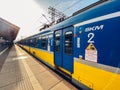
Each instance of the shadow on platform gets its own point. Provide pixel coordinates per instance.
(3, 57)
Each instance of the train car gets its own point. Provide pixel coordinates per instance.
(84, 46)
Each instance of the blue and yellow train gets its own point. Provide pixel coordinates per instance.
(86, 46)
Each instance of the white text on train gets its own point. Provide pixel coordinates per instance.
(94, 28)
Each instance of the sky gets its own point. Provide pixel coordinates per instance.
(27, 14)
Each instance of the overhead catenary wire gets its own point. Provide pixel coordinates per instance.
(57, 3)
(52, 6)
(71, 5)
(45, 17)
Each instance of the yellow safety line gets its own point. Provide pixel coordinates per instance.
(31, 76)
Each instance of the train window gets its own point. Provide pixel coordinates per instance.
(32, 42)
(57, 42)
(43, 42)
(68, 42)
(36, 42)
(26, 42)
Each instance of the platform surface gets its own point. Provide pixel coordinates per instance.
(21, 71)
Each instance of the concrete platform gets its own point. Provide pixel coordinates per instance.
(21, 71)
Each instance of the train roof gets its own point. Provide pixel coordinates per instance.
(102, 8)
(96, 11)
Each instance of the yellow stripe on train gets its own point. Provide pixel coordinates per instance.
(46, 56)
(95, 78)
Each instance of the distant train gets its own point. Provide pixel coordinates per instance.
(85, 46)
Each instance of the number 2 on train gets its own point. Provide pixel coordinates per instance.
(90, 36)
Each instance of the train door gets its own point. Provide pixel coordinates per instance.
(64, 44)
(68, 49)
(58, 48)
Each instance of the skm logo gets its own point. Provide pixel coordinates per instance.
(94, 28)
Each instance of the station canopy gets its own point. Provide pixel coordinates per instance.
(8, 31)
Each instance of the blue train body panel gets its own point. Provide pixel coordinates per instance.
(104, 35)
